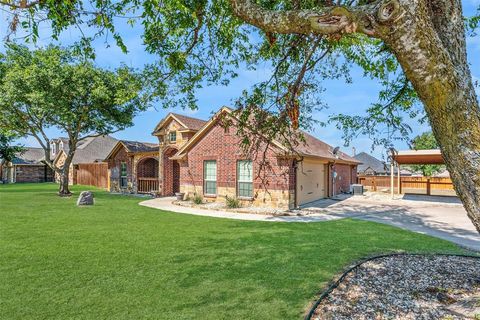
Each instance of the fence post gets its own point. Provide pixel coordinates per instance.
(428, 187)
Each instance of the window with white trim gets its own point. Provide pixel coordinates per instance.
(210, 177)
(172, 136)
(245, 178)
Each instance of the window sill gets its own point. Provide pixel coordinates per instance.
(210, 195)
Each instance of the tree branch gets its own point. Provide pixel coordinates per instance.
(326, 20)
(21, 5)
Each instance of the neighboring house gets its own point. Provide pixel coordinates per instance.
(89, 150)
(28, 166)
(371, 166)
(202, 157)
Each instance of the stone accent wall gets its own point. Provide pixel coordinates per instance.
(33, 173)
(224, 147)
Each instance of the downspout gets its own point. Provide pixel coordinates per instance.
(295, 168)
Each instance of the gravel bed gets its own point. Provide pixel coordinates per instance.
(219, 206)
(407, 287)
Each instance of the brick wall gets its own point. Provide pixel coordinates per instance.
(114, 166)
(171, 173)
(346, 175)
(224, 147)
(148, 168)
(27, 173)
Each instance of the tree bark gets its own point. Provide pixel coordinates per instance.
(428, 39)
(434, 60)
(64, 190)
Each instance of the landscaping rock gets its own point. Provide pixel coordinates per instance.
(85, 199)
(407, 287)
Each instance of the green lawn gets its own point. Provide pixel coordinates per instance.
(118, 260)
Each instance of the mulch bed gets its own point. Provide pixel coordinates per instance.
(407, 287)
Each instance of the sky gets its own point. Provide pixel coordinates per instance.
(340, 97)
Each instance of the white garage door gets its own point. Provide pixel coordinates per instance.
(310, 181)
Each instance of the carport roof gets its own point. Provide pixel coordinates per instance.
(433, 156)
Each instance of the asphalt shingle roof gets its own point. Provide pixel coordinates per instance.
(189, 122)
(136, 146)
(94, 149)
(317, 148)
(368, 161)
(30, 156)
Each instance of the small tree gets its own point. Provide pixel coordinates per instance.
(52, 87)
(425, 141)
(8, 150)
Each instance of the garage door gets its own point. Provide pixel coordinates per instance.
(310, 181)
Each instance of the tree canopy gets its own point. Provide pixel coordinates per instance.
(53, 87)
(8, 148)
(425, 141)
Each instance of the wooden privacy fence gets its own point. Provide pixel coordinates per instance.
(415, 185)
(91, 174)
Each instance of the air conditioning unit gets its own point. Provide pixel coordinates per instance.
(356, 189)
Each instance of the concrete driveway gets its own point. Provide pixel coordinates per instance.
(442, 217)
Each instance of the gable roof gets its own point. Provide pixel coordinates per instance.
(32, 156)
(312, 148)
(187, 123)
(94, 149)
(368, 161)
(132, 147)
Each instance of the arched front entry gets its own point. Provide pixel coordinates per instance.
(171, 173)
(147, 175)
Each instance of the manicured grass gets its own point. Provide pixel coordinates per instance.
(118, 260)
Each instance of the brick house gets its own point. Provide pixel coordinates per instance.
(202, 157)
(28, 166)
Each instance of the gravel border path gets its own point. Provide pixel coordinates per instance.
(406, 287)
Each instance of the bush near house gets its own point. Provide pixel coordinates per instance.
(232, 202)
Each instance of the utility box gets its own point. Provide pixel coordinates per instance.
(357, 189)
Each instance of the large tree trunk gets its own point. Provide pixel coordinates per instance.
(428, 39)
(65, 173)
(432, 53)
(64, 180)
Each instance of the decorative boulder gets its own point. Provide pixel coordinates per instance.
(85, 198)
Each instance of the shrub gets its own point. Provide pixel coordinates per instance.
(197, 199)
(232, 202)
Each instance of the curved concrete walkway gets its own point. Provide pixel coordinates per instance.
(441, 220)
(166, 204)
